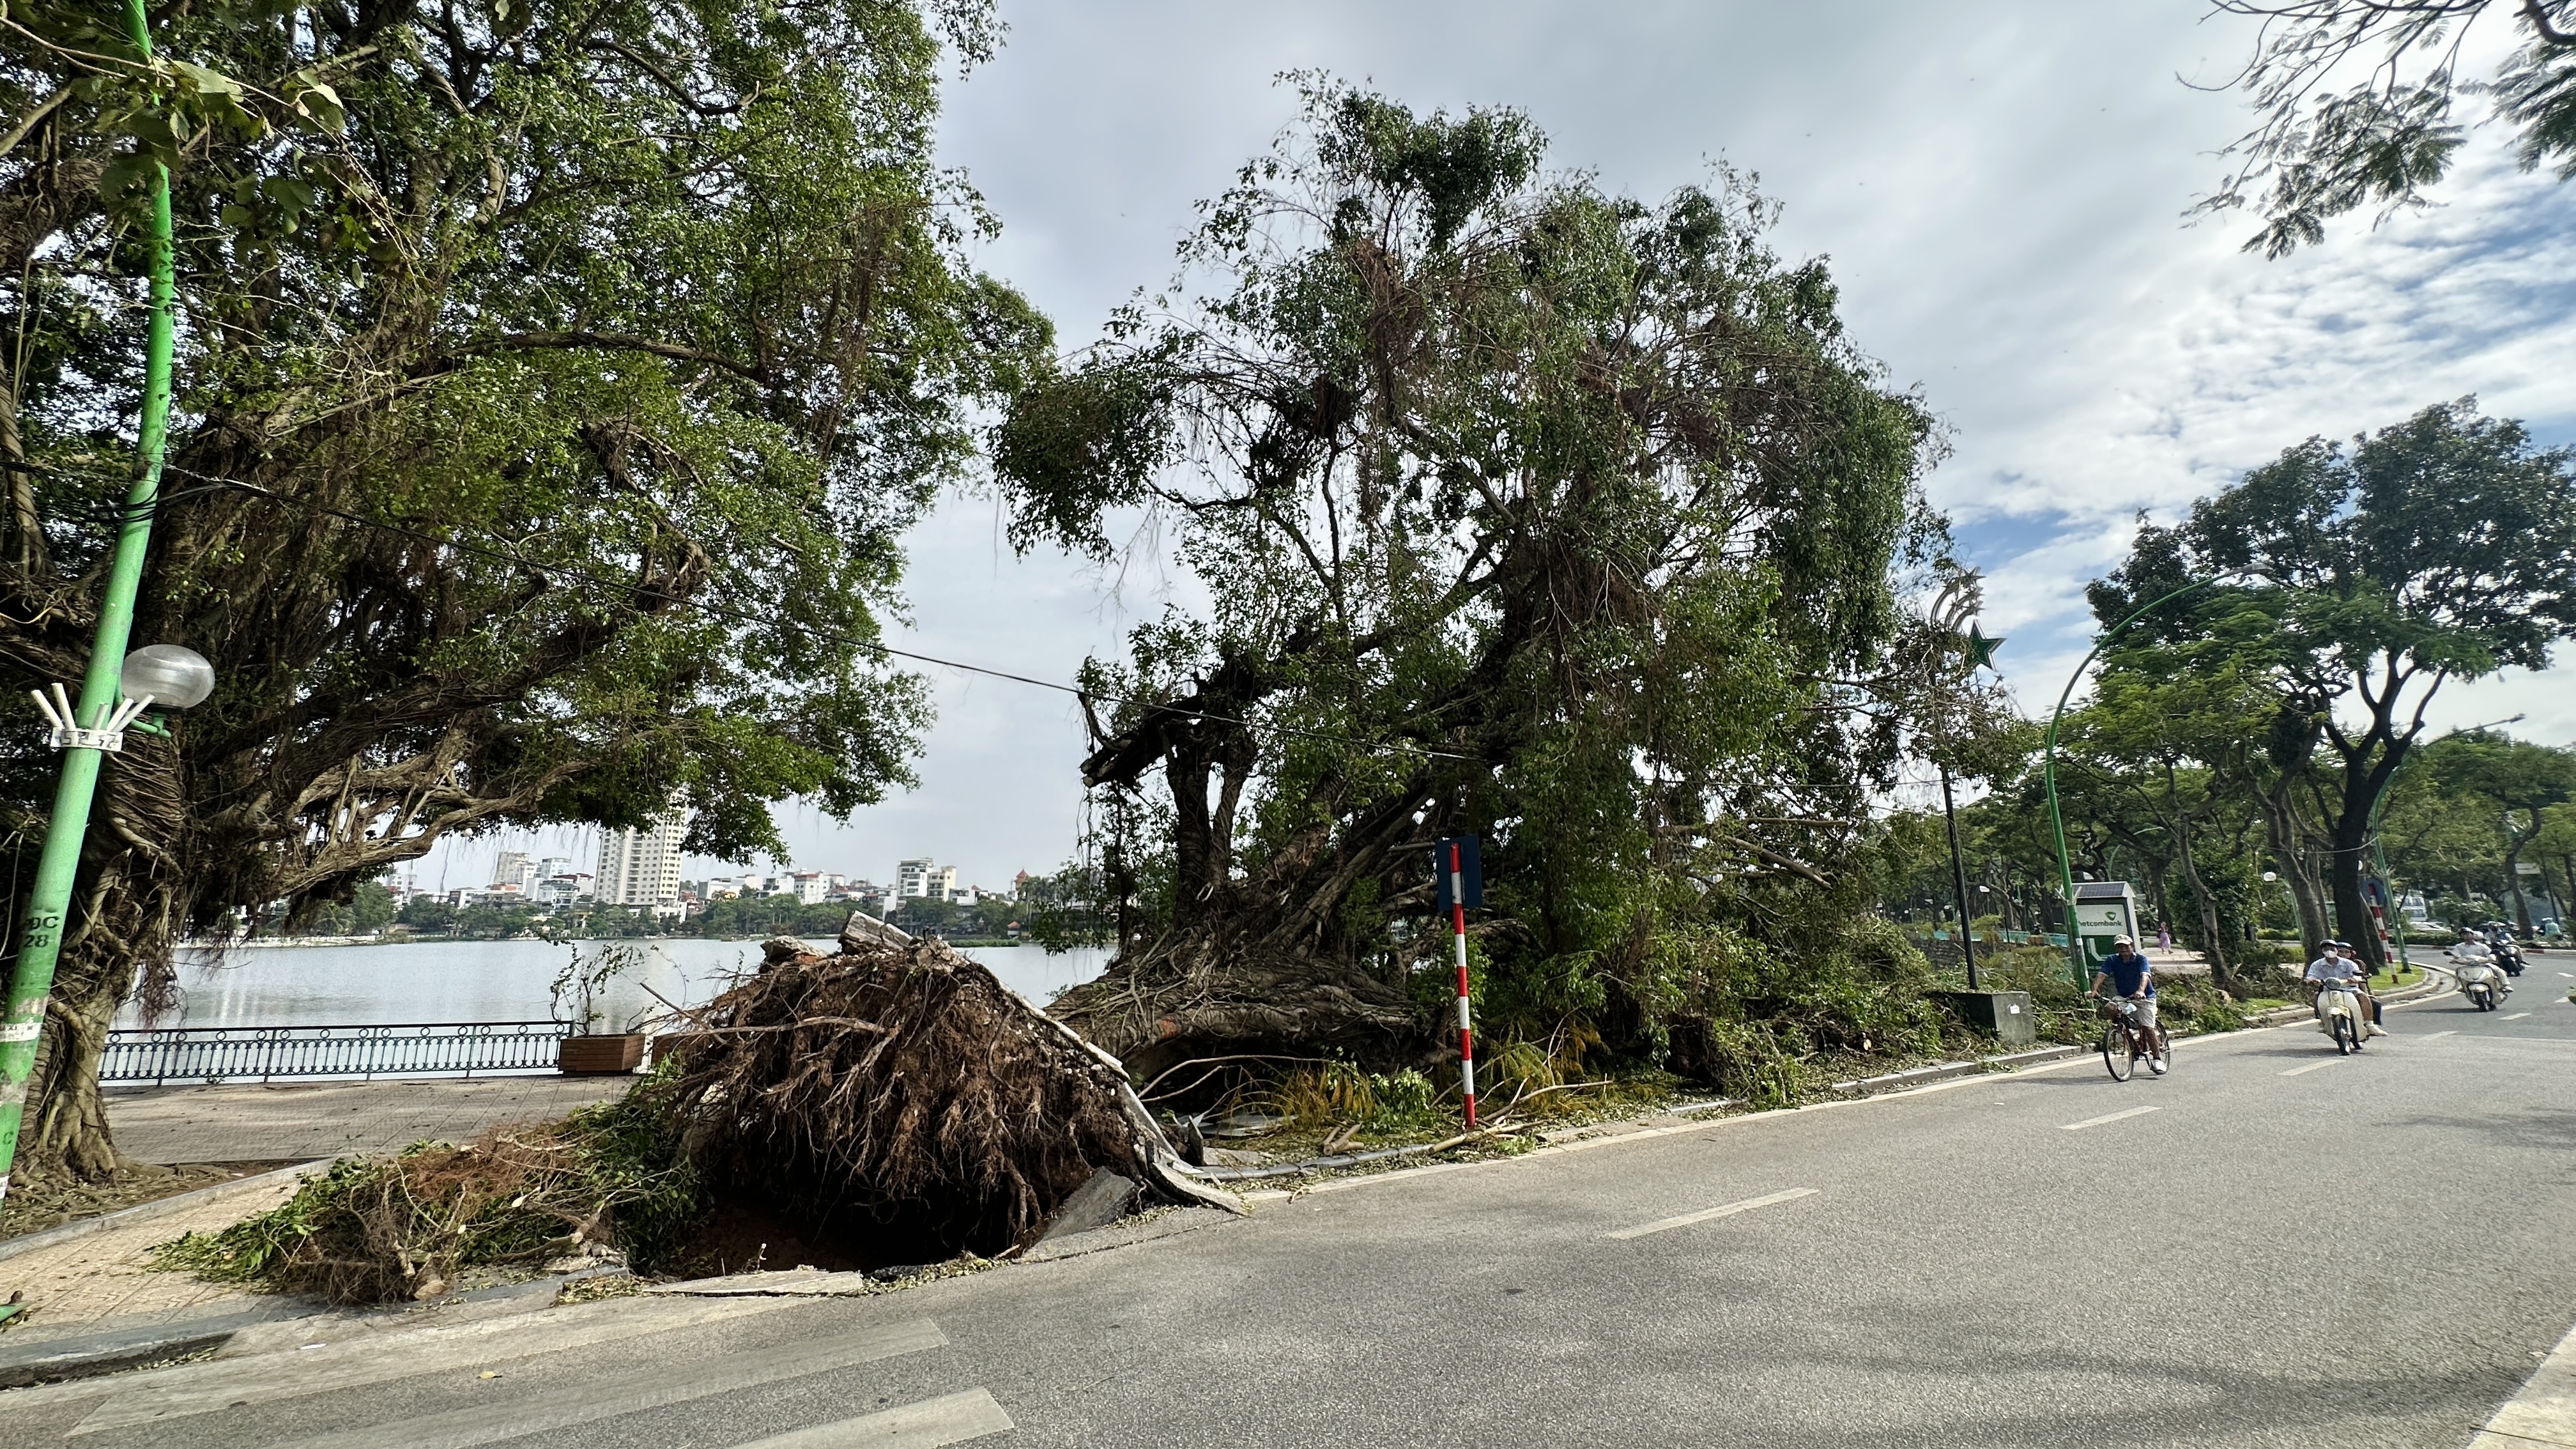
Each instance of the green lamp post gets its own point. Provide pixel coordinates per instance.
(114, 691)
(2056, 822)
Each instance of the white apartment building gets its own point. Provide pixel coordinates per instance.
(807, 886)
(642, 867)
(924, 879)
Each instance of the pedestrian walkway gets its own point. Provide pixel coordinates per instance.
(97, 1277)
(301, 1121)
(877, 1379)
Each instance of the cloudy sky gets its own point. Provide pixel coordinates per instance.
(1999, 184)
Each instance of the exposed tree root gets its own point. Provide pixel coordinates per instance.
(899, 1079)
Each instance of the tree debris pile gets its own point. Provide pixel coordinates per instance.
(898, 1086)
(892, 1103)
(395, 1229)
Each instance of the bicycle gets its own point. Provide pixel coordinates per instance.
(2124, 1041)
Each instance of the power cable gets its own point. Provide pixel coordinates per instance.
(217, 482)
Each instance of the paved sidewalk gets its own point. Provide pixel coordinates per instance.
(107, 1275)
(301, 1121)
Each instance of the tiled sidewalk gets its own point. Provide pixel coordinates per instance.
(305, 1120)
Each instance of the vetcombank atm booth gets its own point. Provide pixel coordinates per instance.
(2105, 910)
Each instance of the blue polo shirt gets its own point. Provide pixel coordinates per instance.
(2127, 972)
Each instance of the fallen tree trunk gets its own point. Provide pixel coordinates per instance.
(1191, 996)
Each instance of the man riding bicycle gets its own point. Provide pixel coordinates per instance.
(2132, 980)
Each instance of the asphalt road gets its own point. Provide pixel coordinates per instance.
(2373, 1252)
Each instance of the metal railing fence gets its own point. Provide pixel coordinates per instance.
(270, 1053)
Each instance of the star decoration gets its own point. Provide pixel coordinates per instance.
(1981, 650)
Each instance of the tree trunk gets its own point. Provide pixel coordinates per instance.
(2352, 910)
(127, 911)
(2513, 882)
(2221, 973)
(2288, 834)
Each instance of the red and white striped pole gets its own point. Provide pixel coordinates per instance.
(1458, 933)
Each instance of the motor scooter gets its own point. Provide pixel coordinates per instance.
(2341, 1015)
(2508, 954)
(2481, 984)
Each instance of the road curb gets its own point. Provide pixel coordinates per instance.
(158, 1207)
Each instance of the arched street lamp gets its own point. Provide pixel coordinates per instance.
(2056, 823)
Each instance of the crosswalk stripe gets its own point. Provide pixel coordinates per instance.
(628, 1393)
(925, 1425)
(1727, 1210)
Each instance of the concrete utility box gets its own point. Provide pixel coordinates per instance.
(2003, 1015)
(2105, 910)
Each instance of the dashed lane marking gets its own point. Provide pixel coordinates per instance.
(1665, 1225)
(2517, 1016)
(2108, 1117)
(950, 1420)
(2438, 1035)
(2315, 1066)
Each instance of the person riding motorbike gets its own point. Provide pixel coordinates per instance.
(2472, 957)
(2361, 987)
(2508, 951)
(2339, 970)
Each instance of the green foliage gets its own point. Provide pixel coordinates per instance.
(374, 1229)
(1523, 508)
(2321, 148)
(557, 381)
(2350, 585)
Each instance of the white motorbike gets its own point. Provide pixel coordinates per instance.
(2341, 1015)
(2481, 983)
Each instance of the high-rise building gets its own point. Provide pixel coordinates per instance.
(514, 870)
(642, 867)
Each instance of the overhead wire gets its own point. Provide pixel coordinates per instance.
(126, 512)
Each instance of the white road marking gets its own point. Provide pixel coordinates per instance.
(2544, 1412)
(951, 1420)
(375, 1358)
(2315, 1066)
(2568, 975)
(1663, 1225)
(2517, 1016)
(2437, 1036)
(629, 1393)
(2112, 1117)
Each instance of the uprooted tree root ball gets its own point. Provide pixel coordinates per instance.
(901, 1081)
(892, 1103)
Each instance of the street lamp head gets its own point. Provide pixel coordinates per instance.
(174, 676)
(2270, 876)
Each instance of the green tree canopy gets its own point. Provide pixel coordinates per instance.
(1523, 508)
(2357, 582)
(556, 383)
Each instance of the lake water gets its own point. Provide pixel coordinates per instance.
(439, 981)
